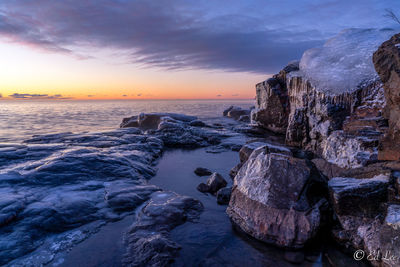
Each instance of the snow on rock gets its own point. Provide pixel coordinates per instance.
(344, 62)
(349, 151)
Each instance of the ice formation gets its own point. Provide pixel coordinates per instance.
(344, 62)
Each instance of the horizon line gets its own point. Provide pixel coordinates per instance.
(123, 99)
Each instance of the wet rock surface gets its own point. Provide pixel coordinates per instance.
(148, 242)
(215, 182)
(56, 183)
(269, 199)
(61, 188)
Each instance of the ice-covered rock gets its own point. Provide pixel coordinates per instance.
(349, 151)
(334, 88)
(344, 62)
(65, 186)
(56, 183)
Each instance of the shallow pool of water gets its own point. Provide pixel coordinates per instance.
(211, 241)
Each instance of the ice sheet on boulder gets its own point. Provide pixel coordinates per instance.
(344, 62)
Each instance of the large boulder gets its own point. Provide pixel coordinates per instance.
(247, 149)
(387, 63)
(270, 199)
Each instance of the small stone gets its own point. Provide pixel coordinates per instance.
(203, 188)
(202, 171)
(216, 182)
(224, 195)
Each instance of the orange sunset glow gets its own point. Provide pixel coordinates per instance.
(107, 77)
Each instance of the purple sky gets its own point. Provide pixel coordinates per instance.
(257, 37)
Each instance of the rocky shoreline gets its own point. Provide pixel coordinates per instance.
(318, 157)
(345, 174)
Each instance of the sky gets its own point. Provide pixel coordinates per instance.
(147, 49)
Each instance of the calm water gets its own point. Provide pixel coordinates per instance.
(20, 120)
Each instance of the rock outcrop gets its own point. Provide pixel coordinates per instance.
(270, 199)
(335, 106)
(387, 64)
(334, 98)
(272, 102)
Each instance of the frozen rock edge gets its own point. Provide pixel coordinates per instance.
(60, 188)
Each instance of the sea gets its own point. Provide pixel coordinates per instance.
(21, 119)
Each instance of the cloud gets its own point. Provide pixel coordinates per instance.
(37, 96)
(235, 95)
(90, 95)
(186, 34)
(124, 95)
(139, 94)
(1, 95)
(219, 95)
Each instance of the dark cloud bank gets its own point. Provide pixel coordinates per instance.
(37, 96)
(235, 36)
